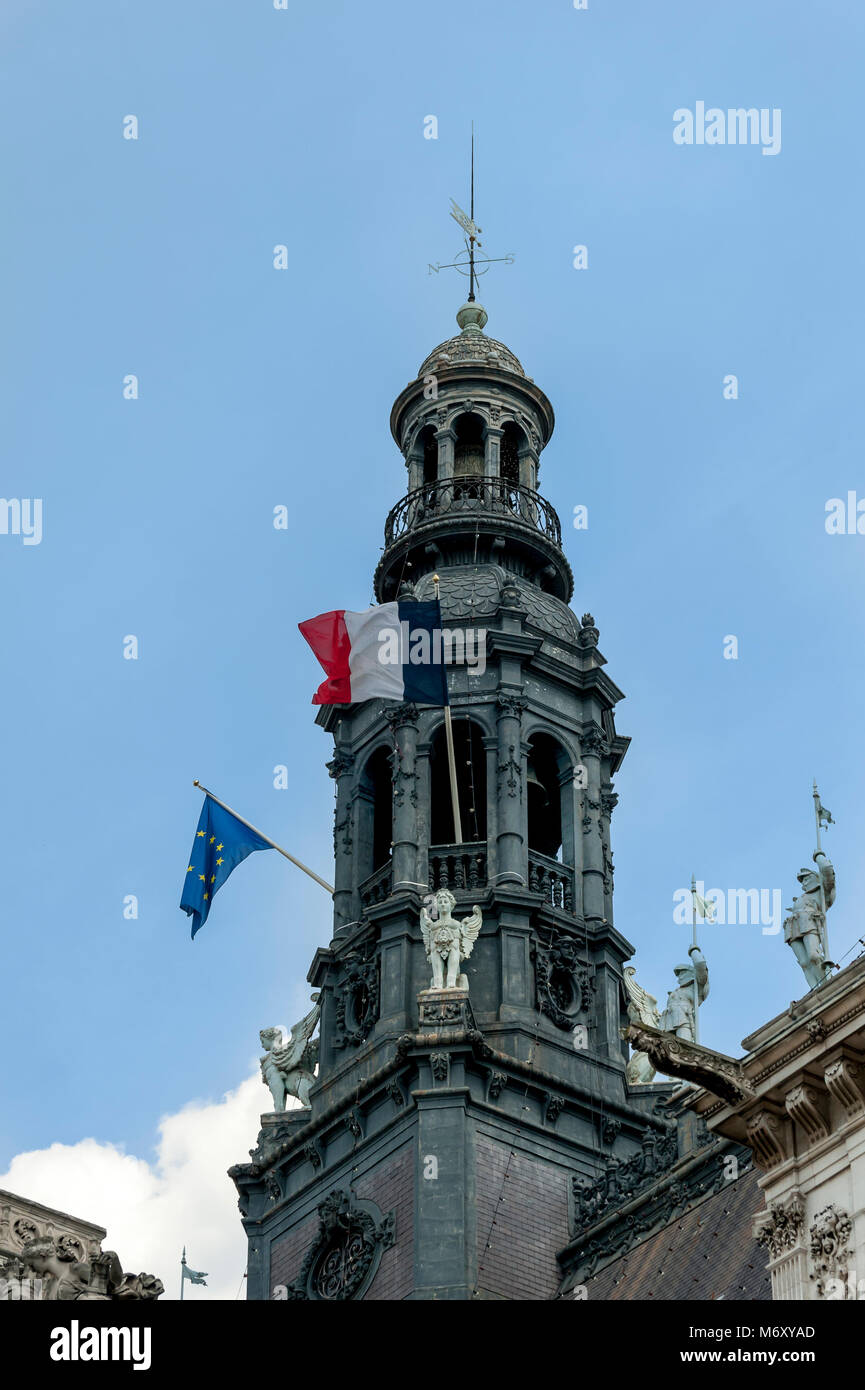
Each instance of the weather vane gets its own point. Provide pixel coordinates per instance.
(473, 261)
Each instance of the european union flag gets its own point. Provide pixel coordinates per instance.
(221, 843)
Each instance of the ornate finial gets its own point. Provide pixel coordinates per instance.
(589, 634)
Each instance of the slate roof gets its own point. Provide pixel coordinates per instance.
(707, 1253)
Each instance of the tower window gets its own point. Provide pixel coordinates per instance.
(430, 455)
(545, 764)
(469, 447)
(470, 758)
(375, 814)
(512, 441)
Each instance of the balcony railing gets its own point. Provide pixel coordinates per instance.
(378, 886)
(554, 880)
(472, 497)
(458, 866)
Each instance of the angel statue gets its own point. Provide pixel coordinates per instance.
(447, 941)
(288, 1067)
(680, 1015)
(642, 1008)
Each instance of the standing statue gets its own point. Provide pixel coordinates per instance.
(447, 941)
(805, 928)
(679, 1017)
(288, 1066)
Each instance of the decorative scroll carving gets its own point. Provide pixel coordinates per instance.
(803, 1106)
(341, 1262)
(311, 1152)
(844, 1080)
(766, 1138)
(674, 1056)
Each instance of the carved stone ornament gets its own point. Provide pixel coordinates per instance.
(342, 1261)
(440, 1063)
(65, 1273)
(828, 1235)
(562, 982)
(356, 998)
(340, 764)
(398, 715)
(593, 742)
(511, 775)
(622, 1179)
(511, 706)
(673, 1056)
(780, 1228)
(589, 634)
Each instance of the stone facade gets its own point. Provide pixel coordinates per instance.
(804, 1120)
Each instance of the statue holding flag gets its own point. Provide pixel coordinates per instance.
(805, 928)
(681, 1013)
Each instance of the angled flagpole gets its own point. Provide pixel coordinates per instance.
(297, 863)
(452, 766)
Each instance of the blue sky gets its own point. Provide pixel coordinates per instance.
(258, 387)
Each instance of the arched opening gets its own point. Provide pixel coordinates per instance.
(513, 440)
(471, 768)
(469, 447)
(546, 763)
(430, 447)
(375, 815)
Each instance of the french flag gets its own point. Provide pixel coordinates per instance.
(390, 652)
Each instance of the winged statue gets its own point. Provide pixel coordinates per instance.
(288, 1066)
(642, 1008)
(447, 941)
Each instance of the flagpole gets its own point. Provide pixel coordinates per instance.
(182, 1280)
(327, 886)
(696, 989)
(452, 765)
(824, 934)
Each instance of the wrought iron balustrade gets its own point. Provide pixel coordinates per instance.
(472, 496)
(458, 866)
(554, 880)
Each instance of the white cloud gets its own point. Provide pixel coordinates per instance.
(152, 1210)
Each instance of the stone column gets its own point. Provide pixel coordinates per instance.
(446, 438)
(340, 768)
(510, 858)
(609, 800)
(492, 453)
(403, 720)
(594, 745)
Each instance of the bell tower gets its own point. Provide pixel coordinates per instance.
(451, 1131)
